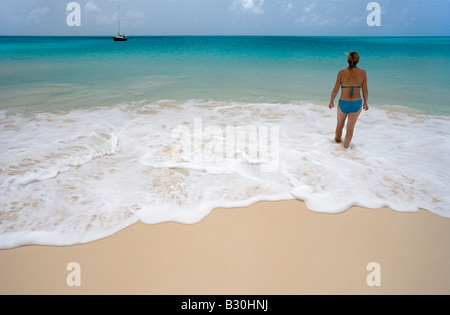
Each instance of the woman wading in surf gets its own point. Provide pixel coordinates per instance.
(352, 80)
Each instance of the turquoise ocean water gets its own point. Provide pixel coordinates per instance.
(96, 135)
(64, 72)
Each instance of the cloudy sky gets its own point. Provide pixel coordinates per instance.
(227, 17)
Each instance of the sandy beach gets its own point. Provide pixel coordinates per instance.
(269, 248)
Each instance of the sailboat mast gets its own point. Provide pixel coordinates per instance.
(118, 19)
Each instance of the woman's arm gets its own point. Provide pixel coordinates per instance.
(365, 92)
(335, 91)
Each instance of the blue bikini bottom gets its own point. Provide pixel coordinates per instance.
(350, 106)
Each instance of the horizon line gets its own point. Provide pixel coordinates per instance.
(181, 35)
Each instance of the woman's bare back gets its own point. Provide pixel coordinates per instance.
(352, 77)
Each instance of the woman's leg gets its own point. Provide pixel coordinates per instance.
(352, 119)
(340, 124)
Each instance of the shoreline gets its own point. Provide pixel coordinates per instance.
(269, 248)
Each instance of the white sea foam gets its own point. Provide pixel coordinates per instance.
(74, 177)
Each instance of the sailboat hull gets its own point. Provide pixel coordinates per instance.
(120, 38)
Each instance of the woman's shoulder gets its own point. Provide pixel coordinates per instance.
(348, 72)
(361, 70)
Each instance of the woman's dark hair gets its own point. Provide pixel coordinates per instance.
(353, 59)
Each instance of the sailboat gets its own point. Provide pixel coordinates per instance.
(119, 37)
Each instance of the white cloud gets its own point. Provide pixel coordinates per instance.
(91, 7)
(95, 16)
(248, 6)
(36, 16)
(315, 19)
(312, 16)
(285, 6)
(308, 8)
(98, 15)
(135, 15)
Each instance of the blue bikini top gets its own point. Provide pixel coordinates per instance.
(352, 87)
